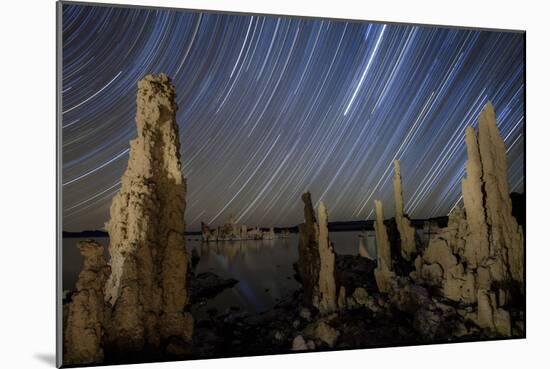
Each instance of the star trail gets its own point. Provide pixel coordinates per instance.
(271, 106)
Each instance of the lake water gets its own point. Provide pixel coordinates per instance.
(263, 268)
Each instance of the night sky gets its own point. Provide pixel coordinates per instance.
(270, 107)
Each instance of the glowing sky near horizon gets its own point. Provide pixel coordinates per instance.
(270, 107)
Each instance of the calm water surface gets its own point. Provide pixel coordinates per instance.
(263, 268)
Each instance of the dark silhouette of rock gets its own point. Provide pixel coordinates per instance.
(309, 262)
(518, 208)
(316, 263)
(206, 285)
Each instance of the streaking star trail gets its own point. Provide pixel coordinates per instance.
(271, 107)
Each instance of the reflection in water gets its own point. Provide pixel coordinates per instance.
(262, 267)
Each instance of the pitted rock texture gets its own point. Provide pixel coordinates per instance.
(147, 286)
(327, 285)
(84, 333)
(309, 261)
(505, 236)
(478, 257)
(384, 271)
(316, 263)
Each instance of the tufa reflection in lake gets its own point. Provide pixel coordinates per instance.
(263, 268)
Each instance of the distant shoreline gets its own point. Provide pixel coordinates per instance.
(342, 226)
(518, 211)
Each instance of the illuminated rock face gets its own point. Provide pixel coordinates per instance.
(441, 264)
(327, 300)
(84, 331)
(478, 256)
(363, 248)
(406, 232)
(495, 243)
(503, 237)
(383, 272)
(147, 287)
(316, 261)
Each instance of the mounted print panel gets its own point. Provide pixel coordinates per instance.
(237, 184)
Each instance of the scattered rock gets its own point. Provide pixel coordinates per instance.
(361, 296)
(299, 344)
(326, 333)
(206, 285)
(354, 271)
(305, 314)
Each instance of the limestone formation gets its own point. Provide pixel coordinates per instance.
(406, 231)
(477, 256)
(270, 235)
(316, 264)
(147, 286)
(255, 234)
(441, 265)
(501, 239)
(327, 285)
(206, 233)
(84, 331)
(363, 248)
(231, 231)
(235, 229)
(490, 316)
(383, 272)
(308, 251)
